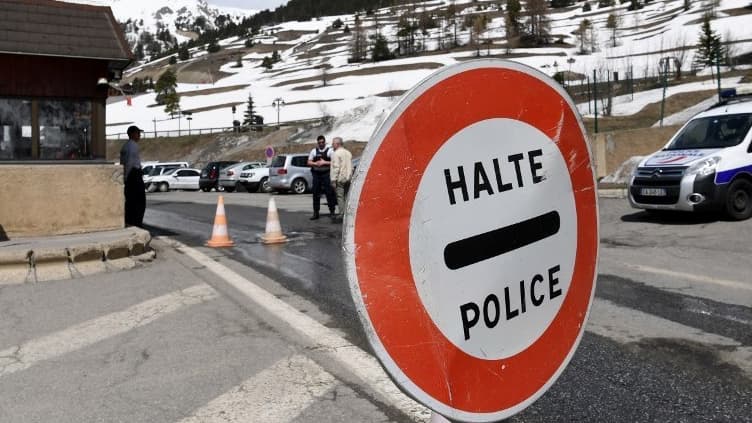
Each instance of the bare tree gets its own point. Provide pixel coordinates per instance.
(582, 34)
(324, 75)
(731, 50)
(479, 25)
(613, 23)
(358, 46)
(593, 38)
(680, 47)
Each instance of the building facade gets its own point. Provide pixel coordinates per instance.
(57, 63)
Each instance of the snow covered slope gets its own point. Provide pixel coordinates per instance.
(315, 78)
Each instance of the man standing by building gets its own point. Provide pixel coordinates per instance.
(320, 161)
(133, 178)
(341, 173)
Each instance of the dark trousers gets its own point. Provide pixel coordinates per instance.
(135, 199)
(321, 182)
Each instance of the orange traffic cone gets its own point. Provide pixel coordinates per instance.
(220, 237)
(273, 233)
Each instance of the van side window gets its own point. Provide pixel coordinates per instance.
(300, 161)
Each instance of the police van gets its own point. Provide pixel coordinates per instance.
(706, 166)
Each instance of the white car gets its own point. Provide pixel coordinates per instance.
(179, 178)
(256, 179)
(159, 168)
(229, 177)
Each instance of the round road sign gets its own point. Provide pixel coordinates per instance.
(471, 238)
(269, 152)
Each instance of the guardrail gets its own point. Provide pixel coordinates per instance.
(176, 133)
(201, 131)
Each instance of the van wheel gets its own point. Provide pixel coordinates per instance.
(229, 189)
(264, 185)
(163, 187)
(299, 186)
(204, 189)
(739, 200)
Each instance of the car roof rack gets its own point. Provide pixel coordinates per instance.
(733, 95)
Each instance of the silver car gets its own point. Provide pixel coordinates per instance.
(229, 176)
(290, 172)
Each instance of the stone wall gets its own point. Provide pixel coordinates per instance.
(43, 200)
(611, 149)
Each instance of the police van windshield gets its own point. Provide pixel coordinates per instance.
(713, 132)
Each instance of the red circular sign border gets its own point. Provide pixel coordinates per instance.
(429, 360)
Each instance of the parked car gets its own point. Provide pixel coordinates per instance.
(256, 179)
(229, 176)
(705, 166)
(177, 178)
(210, 175)
(290, 172)
(157, 169)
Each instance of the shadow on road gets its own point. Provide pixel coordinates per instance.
(670, 217)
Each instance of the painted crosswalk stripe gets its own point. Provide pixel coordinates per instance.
(356, 361)
(25, 355)
(266, 397)
(626, 325)
(697, 278)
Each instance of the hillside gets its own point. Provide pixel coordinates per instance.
(317, 79)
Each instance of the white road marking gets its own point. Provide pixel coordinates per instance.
(356, 361)
(268, 396)
(25, 355)
(625, 325)
(697, 278)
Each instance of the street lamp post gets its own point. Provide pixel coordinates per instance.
(278, 103)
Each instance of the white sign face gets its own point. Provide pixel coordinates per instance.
(492, 187)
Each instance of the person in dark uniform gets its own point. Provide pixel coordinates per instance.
(133, 178)
(320, 161)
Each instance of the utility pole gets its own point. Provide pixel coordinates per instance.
(595, 99)
(663, 66)
(278, 103)
(718, 72)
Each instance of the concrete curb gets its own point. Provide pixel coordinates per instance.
(30, 260)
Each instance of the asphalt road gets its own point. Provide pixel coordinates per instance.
(669, 337)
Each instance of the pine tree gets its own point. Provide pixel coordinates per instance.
(381, 49)
(513, 17)
(183, 53)
(213, 47)
(249, 111)
(172, 103)
(709, 50)
(166, 92)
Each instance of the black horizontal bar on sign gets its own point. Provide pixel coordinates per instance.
(477, 248)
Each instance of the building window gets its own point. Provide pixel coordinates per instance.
(15, 129)
(64, 130)
(42, 129)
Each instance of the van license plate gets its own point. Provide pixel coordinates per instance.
(653, 192)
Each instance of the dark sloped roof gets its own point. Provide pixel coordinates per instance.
(54, 28)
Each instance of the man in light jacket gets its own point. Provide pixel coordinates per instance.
(341, 173)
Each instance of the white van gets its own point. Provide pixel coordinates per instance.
(706, 166)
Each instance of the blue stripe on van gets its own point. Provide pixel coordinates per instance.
(727, 175)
